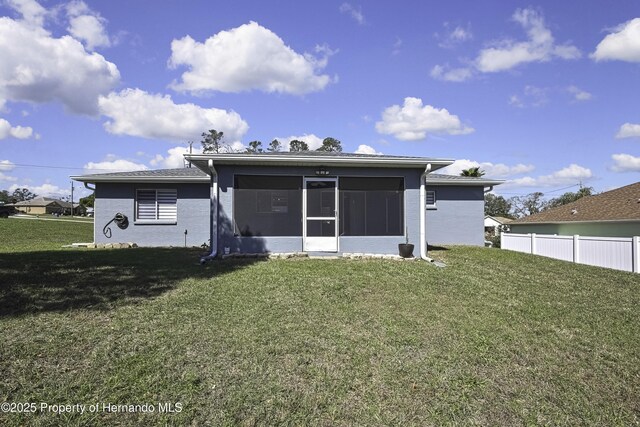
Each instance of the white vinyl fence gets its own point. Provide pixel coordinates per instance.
(620, 253)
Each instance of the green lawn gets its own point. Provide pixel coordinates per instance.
(495, 338)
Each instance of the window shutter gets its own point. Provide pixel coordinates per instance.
(146, 208)
(431, 198)
(167, 204)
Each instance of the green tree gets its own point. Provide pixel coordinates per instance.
(474, 172)
(496, 206)
(569, 197)
(88, 201)
(527, 205)
(255, 147)
(212, 141)
(297, 145)
(330, 145)
(275, 146)
(22, 194)
(5, 197)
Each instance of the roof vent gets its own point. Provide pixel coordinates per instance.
(574, 211)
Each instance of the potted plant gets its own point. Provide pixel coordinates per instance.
(406, 249)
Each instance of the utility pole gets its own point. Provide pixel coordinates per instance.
(71, 199)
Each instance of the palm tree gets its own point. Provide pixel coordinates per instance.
(475, 172)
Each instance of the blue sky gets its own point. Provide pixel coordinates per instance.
(544, 95)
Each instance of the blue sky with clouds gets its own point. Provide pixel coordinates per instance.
(544, 95)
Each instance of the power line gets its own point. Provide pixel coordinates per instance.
(545, 192)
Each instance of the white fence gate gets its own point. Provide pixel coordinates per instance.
(620, 253)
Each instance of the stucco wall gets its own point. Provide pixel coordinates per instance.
(458, 218)
(612, 229)
(193, 215)
(369, 244)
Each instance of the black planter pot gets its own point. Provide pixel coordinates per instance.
(405, 250)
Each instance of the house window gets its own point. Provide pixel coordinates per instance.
(431, 199)
(371, 206)
(157, 205)
(267, 205)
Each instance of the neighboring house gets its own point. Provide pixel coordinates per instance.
(492, 224)
(614, 213)
(288, 202)
(47, 205)
(40, 206)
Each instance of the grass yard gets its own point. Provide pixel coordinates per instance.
(496, 338)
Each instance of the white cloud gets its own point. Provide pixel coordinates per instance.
(113, 164)
(6, 166)
(572, 174)
(37, 67)
(629, 130)
(444, 72)
(87, 25)
(492, 170)
(245, 58)
(314, 142)
(137, 113)
(366, 149)
(579, 94)
(413, 121)
(397, 46)
(539, 47)
(623, 44)
(32, 12)
(625, 163)
(532, 96)
(45, 190)
(174, 157)
(454, 36)
(355, 13)
(18, 132)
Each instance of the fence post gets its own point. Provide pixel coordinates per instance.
(576, 248)
(635, 245)
(533, 243)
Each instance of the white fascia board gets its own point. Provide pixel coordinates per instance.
(200, 160)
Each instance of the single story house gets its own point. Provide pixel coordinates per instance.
(614, 213)
(288, 202)
(47, 205)
(492, 224)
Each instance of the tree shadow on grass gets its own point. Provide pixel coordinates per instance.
(60, 281)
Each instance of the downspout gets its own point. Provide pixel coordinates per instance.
(86, 185)
(423, 214)
(490, 188)
(213, 215)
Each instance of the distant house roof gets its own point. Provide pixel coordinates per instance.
(621, 204)
(500, 219)
(434, 178)
(158, 175)
(39, 202)
(45, 201)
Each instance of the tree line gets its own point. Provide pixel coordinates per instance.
(533, 203)
(24, 194)
(213, 142)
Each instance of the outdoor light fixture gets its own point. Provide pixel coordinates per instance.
(322, 171)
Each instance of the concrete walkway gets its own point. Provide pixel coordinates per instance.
(50, 219)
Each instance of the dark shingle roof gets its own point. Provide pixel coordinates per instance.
(616, 205)
(168, 173)
(435, 178)
(157, 175)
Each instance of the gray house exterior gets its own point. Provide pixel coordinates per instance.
(292, 202)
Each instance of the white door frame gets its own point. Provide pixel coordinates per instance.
(319, 244)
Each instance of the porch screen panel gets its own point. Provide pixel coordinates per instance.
(371, 206)
(267, 205)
